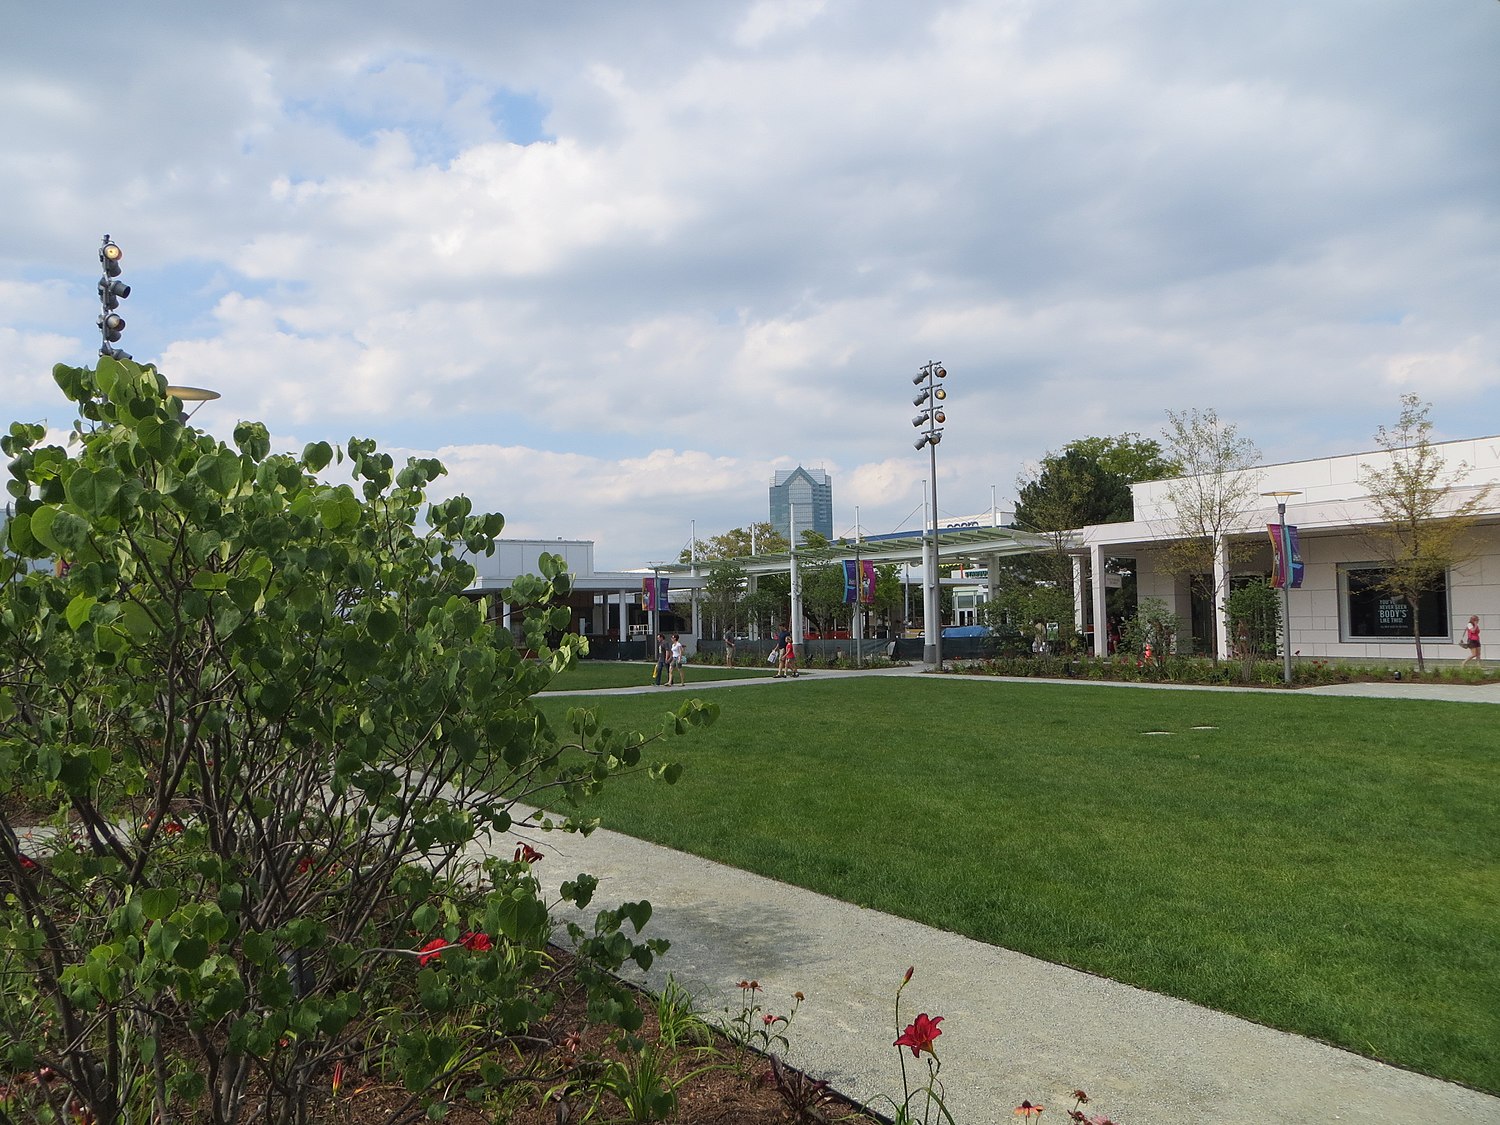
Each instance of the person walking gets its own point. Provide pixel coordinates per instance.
(679, 662)
(728, 648)
(1471, 640)
(662, 676)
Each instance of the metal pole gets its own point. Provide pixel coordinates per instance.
(1286, 594)
(859, 598)
(936, 579)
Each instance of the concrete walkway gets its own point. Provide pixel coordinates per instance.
(1014, 1027)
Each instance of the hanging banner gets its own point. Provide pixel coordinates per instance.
(654, 594)
(1283, 543)
(859, 582)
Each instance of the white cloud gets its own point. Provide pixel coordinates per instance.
(751, 222)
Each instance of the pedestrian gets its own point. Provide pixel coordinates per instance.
(662, 676)
(728, 648)
(789, 658)
(679, 662)
(1471, 640)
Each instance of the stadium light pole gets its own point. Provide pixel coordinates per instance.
(930, 399)
(1281, 498)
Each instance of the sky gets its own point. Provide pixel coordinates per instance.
(617, 263)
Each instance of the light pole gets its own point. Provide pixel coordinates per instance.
(930, 399)
(1281, 498)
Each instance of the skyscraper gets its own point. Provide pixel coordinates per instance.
(810, 493)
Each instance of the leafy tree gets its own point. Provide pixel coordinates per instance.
(1130, 457)
(769, 605)
(1253, 612)
(1087, 482)
(272, 728)
(1425, 525)
(737, 543)
(1219, 486)
(722, 589)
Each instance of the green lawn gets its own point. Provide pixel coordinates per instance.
(597, 675)
(1328, 866)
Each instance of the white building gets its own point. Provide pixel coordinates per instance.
(1335, 613)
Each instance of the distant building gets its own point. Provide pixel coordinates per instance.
(809, 494)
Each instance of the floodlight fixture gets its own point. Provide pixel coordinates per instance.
(109, 257)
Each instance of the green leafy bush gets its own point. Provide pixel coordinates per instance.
(278, 740)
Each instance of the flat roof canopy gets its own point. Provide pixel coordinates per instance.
(968, 542)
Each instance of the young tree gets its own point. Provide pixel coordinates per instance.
(271, 726)
(1218, 487)
(1426, 524)
(722, 590)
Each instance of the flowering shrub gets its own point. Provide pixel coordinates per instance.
(277, 725)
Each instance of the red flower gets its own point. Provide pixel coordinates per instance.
(1026, 1109)
(907, 978)
(338, 1077)
(752, 985)
(432, 951)
(920, 1034)
(768, 1019)
(479, 943)
(27, 863)
(525, 853)
(304, 865)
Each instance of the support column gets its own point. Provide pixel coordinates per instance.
(697, 613)
(1100, 592)
(1080, 619)
(1221, 591)
(797, 605)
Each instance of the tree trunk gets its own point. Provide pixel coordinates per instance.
(1416, 632)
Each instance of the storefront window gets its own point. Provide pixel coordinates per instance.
(1371, 613)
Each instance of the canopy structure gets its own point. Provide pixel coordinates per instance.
(966, 543)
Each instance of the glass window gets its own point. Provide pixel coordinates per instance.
(1370, 613)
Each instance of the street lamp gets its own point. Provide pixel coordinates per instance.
(1281, 497)
(111, 292)
(931, 399)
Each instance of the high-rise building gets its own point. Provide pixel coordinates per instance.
(807, 493)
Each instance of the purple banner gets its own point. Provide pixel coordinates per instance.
(654, 594)
(1284, 545)
(859, 581)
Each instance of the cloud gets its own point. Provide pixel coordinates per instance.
(619, 262)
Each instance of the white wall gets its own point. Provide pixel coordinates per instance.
(1474, 587)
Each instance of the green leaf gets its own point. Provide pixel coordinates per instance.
(18, 534)
(219, 470)
(95, 491)
(191, 951)
(383, 624)
(316, 455)
(78, 611)
(137, 621)
(210, 580)
(158, 902)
